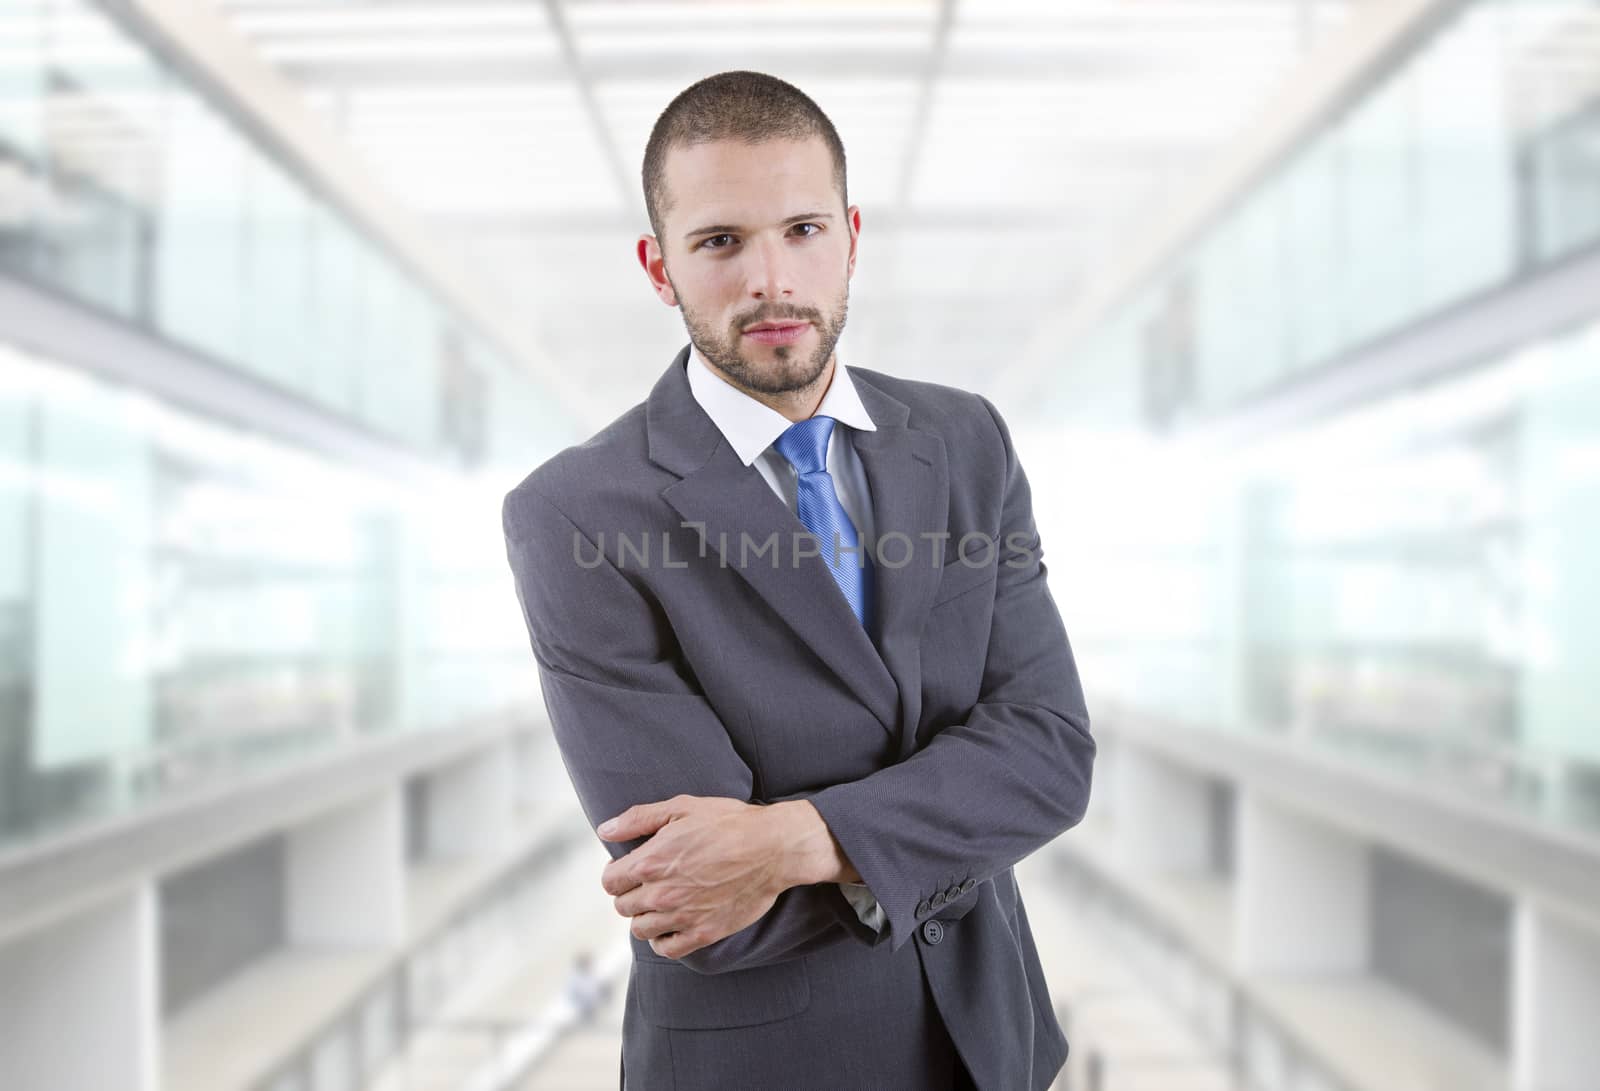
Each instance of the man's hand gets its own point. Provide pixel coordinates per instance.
(713, 866)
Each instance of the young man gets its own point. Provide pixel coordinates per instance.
(795, 639)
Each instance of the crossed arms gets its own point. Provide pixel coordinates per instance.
(635, 733)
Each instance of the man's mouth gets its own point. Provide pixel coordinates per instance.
(777, 333)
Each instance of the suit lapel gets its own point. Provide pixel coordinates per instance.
(908, 477)
(734, 512)
(753, 532)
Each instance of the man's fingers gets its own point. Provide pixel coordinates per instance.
(631, 903)
(677, 944)
(653, 925)
(640, 820)
(618, 878)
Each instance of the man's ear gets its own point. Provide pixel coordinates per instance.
(852, 217)
(655, 267)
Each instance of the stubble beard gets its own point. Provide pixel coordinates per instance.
(792, 372)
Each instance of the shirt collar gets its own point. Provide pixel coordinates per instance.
(750, 426)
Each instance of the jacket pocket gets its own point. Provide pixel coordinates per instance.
(675, 997)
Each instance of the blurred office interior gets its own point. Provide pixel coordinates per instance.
(1292, 305)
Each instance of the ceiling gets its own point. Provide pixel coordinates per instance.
(1000, 151)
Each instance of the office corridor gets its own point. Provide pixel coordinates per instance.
(1287, 313)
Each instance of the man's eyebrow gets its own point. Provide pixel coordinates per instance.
(720, 229)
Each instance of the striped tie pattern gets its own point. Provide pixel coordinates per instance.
(805, 445)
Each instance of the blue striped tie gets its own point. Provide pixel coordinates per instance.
(805, 445)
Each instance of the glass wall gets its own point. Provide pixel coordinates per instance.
(122, 186)
(179, 600)
(1411, 584)
(1472, 162)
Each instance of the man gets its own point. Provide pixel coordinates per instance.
(796, 642)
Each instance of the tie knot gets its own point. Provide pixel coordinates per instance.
(805, 444)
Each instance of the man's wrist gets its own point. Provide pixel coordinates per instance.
(810, 852)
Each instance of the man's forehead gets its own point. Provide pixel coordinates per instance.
(757, 176)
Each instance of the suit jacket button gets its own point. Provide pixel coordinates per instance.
(932, 931)
(968, 885)
(922, 908)
(953, 893)
(937, 900)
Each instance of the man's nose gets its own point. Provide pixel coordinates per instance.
(769, 271)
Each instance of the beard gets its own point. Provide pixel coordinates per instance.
(791, 369)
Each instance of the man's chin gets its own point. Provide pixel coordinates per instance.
(767, 372)
(781, 376)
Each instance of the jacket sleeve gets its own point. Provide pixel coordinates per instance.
(631, 724)
(984, 793)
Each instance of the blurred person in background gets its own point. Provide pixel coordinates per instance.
(796, 643)
(587, 991)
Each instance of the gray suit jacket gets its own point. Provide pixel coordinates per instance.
(690, 641)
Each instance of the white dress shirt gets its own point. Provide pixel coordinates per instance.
(751, 428)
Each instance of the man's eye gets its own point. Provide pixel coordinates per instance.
(712, 241)
(814, 227)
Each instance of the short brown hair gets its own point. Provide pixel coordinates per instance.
(749, 106)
